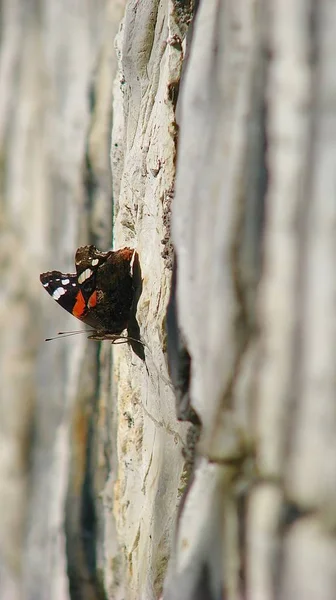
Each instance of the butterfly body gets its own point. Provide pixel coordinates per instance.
(100, 293)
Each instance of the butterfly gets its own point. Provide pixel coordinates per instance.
(101, 291)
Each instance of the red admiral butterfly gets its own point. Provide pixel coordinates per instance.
(101, 292)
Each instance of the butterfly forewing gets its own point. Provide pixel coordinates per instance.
(62, 287)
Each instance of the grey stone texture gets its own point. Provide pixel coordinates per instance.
(207, 127)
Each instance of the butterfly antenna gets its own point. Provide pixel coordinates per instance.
(63, 334)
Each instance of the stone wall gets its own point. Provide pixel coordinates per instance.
(207, 126)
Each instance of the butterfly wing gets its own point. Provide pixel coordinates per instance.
(64, 289)
(100, 293)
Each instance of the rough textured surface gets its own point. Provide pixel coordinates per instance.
(218, 255)
(150, 440)
(296, 384)
(103, 492)
(274, 393)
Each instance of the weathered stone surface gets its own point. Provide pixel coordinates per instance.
(103, 492)
(273, 394)
(151, 472)
(218, 257)
(296, 380)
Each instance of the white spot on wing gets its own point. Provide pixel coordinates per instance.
(58, 293)
(95, 262)
(132, 261)
(84, 276)
(74, 285)
(65, 281)
(45, 284)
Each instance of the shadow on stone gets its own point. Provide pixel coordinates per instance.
(179, 360)
(133, 329)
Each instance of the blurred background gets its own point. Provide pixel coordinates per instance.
(57, 65)
(203, 135)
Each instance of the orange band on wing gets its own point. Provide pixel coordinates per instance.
(80, 306)
(92, 300)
